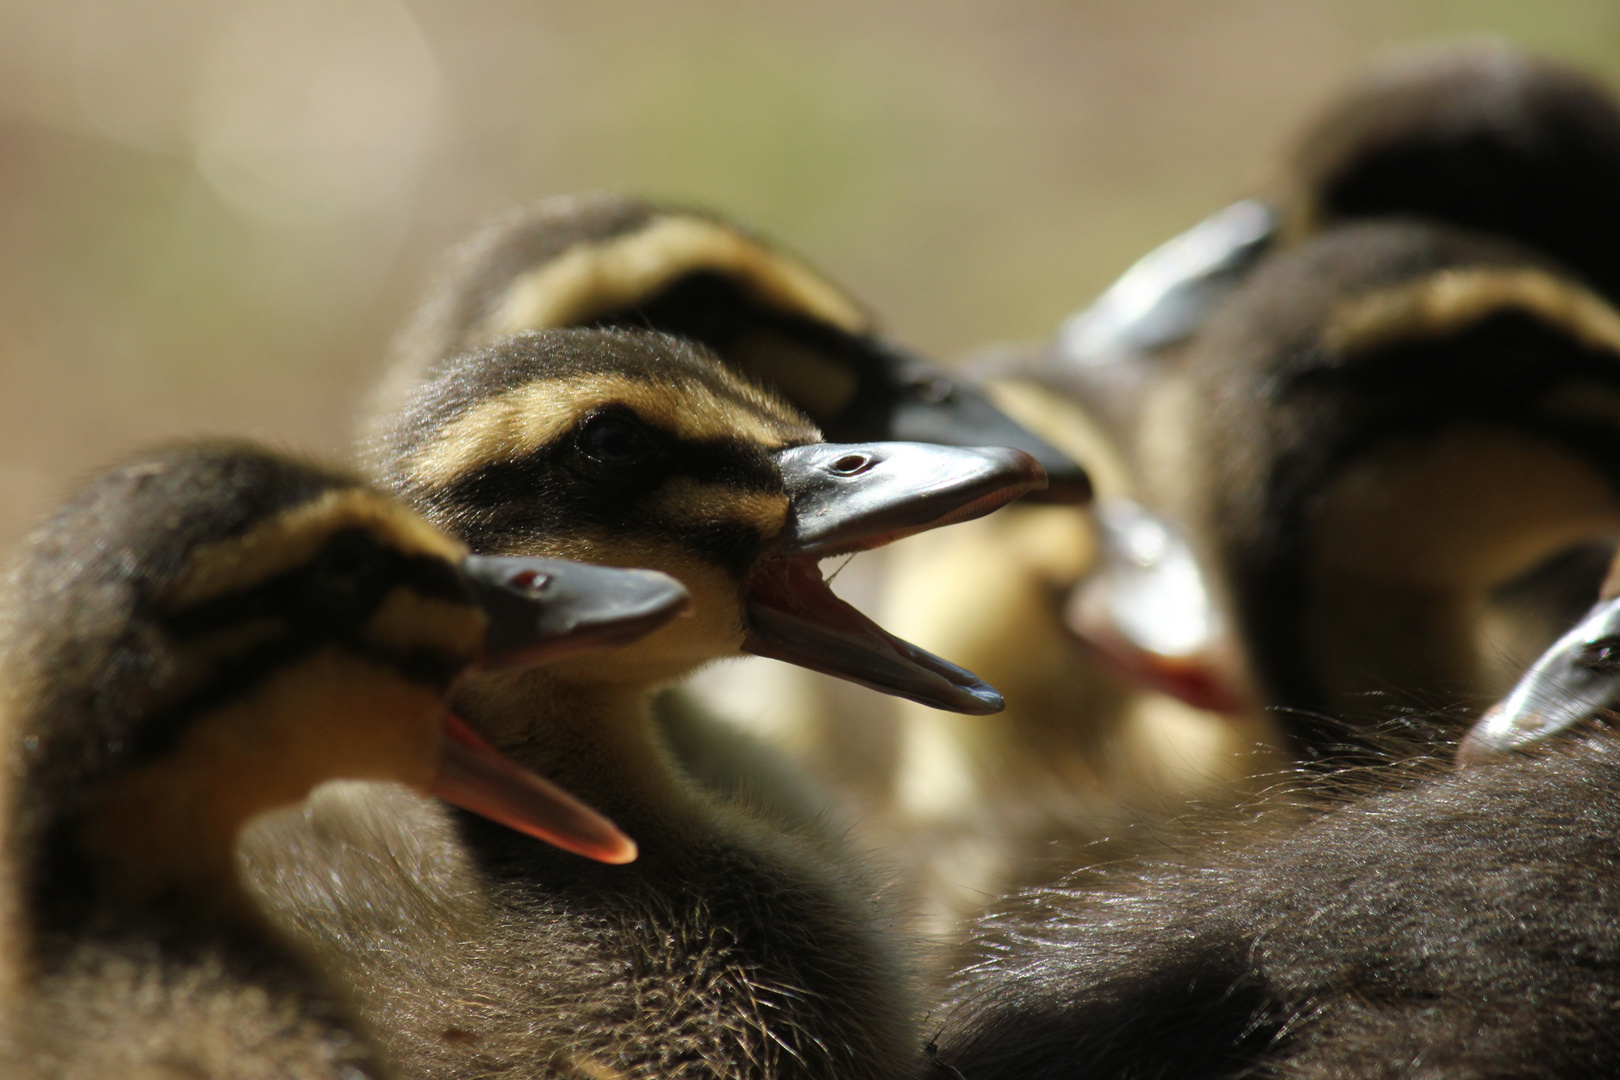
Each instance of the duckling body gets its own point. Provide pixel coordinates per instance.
(196, 638)
(1449, 923)
(731, 947)
(1460, 925)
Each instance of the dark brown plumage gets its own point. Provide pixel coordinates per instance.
(1460, 925)
(1482, 136)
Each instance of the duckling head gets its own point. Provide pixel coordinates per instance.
(207, 632)
(611, 261)
(1480, 135)
(638, 448)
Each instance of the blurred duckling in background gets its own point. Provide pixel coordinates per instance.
(1448, 924)
(1395, 455)
(1479, 135)
(196, 638)
(1398, 446)
(1089, 614)
(612, 261)
(731, 947)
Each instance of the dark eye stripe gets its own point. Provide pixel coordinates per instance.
(279, 596)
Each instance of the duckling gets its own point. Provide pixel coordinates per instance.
(1446, 924)
(197, 637)
(1397, 445)
(611, 261)
(731, 947)
(1392, 458)
(1479, 135)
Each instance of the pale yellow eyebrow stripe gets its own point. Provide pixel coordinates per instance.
(1454, 299)
(592, 280)
(293, 537)
(517, 423)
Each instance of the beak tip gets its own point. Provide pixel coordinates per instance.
(987, 702)
(624, 852)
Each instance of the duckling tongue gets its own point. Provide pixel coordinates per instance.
(793, 616)
(474, 776)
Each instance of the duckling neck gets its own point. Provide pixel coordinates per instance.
(597, 739)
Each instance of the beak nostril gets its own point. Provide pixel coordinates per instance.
(532, 582)
(850, 464)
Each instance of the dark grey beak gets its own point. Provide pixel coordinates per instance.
(934, 407)
(543, 609)
(853, 496)
(1576, 678)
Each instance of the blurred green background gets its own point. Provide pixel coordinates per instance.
(213, 213)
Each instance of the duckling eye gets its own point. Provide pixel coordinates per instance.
(345, 574)
(613, 439)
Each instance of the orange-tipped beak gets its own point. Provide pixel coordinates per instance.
(474, 776)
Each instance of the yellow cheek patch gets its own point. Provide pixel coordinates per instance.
(292, 538)
(333, 716)
(1453, 300)
(515, 424)
(686, 500)
(591, 281)
(406, 620)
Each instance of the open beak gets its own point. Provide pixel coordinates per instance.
(541, 610)
(1147, 610)
(934, 407)
(1575, 680)
(851, 497)
(474, 776)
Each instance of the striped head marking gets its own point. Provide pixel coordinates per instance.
(604, 445)
(208, 632)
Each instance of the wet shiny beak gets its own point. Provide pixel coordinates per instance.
(851, 497)
(937, 408)
(1575, 680)
(543, 609)
(855, 496)
(474, 776)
